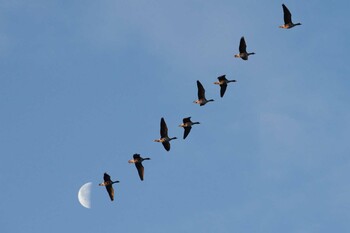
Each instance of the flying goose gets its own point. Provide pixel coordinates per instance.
(108, 183)
(243, 50)
(187, 125)
(223, 84)
(201, 95)
(137, 160)
(287, 19)
(164, 139)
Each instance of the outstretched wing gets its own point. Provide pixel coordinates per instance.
(163, 128)
(140, 170)
(223, 89)
(201, 90)
(166, 145)
(222, 78)
(287, 15)
(242, 45)
(187, 119)
(110, 191)
(187, 131)
(136, 157)
(106, 177)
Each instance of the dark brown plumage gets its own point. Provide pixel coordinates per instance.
(137, 160)
(243, 50)
(223, 84)
(187, 125)
(287, 16)
(164, 139)
(201, 95)
(108, 183)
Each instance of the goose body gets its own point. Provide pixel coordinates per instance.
(223, 84)
(164, 138)
(201, 95)
(108, 183)
(137, 160)
(187, 125)
(243, 50)
(287, 19)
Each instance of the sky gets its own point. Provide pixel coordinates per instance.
(83, 87)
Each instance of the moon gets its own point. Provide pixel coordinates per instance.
(84, 195)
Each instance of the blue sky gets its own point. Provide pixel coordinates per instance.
(83, 87)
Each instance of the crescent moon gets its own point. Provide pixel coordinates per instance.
(84, 195)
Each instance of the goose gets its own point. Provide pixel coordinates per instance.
(201, 95)
(287, 19)
(223, 84)
(164, 139)
(187, 125)
(108, 184)
(242, 50)
(137, 160)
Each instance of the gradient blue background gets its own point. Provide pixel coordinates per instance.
(83, 86)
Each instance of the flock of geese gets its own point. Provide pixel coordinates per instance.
(187, 123)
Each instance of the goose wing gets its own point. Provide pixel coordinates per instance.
(163, 128)
(140, 169)
(242, 45)
(287, 15)
(187, 119)
(166, 145)
(107, 178)
(201, 90)
(222, 78)
(223, 89)
(110, 191)
(136, 157)
(187, 131)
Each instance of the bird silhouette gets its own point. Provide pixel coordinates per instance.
(187, 125)
(223, 84)
(108, 183)
(201, 95)
(287, 19)
(243, 50)
(137, 160)
(164, 139)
